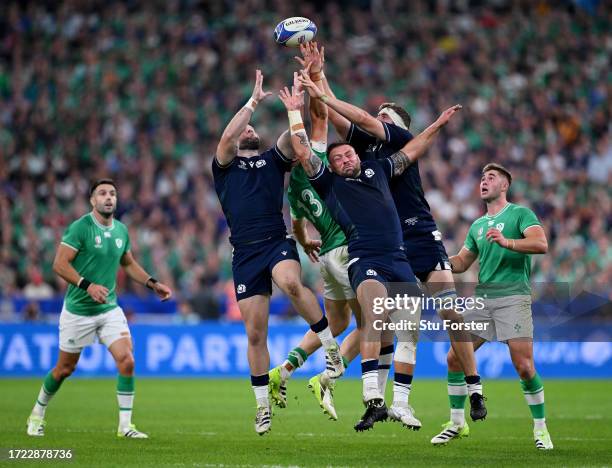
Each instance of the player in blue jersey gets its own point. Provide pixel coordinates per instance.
(250, 187)
(359, 197)
(379, 138)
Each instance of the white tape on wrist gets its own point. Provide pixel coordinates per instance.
(251, 105)
(295, 121)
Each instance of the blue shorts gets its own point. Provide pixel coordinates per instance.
(389, 268)
(252, 265)
(425, 255)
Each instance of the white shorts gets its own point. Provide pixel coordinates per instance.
(506, 318)
(334, 271)
(78, 331)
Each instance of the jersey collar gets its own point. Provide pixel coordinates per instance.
(101, 226)
(500, 212)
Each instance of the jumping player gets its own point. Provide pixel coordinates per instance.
(250, 187)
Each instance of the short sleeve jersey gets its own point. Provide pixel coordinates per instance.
(99, 250)
(507, 269)
(304, 202)
(407, 189)
(363, 207)
(251, 192)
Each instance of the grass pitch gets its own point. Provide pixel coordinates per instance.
(210, 423)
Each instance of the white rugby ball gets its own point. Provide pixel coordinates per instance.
(294, 31)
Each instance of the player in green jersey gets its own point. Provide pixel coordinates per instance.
(88, 258)
(502, 241)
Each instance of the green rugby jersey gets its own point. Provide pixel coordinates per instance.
(304, 202)
(99, 251)
(502, 271)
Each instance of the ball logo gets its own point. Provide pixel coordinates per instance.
(296, 24)
(371, 272)
(369, 173)
(241, 288)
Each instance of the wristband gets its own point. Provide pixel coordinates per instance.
(295, 121)
(152, 280)
(251, 105)
(324, 98)
(83, 284)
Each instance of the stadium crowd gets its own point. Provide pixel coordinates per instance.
(141, 91)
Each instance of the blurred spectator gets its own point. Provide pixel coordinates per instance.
(185, 314)
(140, 91)
(36, 289)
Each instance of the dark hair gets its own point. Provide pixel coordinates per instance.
(335, 144)
(400, 111)
(99, 182)
(499, 168)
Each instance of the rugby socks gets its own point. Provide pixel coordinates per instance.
(402, 384)
(384, 364)
(125, 398)
(457, 394)
(49, 388)
(295, 359)
(321, 328)
(260, 387)
(473, 384)
(369, 376)
(533, 389)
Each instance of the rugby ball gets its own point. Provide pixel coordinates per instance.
(294, 31)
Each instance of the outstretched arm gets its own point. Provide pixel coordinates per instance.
(416, 147)
(226, 149)
(353, 113)
(314, 60)
(294, 101)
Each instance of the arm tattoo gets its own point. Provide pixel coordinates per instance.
(303, 139)
(400, 162)
(315, 164)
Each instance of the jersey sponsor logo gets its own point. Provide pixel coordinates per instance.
(98, 240)
(241, 289)
(118, 243)
(499, 226)
(369, 173)
(371, 272)
(107, 234)
(411, 221)
(260, 163)
(284, 252)
(437, 235)
(490, 223)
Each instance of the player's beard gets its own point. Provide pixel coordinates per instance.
(249, 143)
(106, 212)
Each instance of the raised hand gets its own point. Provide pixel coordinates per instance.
(309, 85)
(447, 114)
(293, 100)
(311, 57)
(258, 93)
